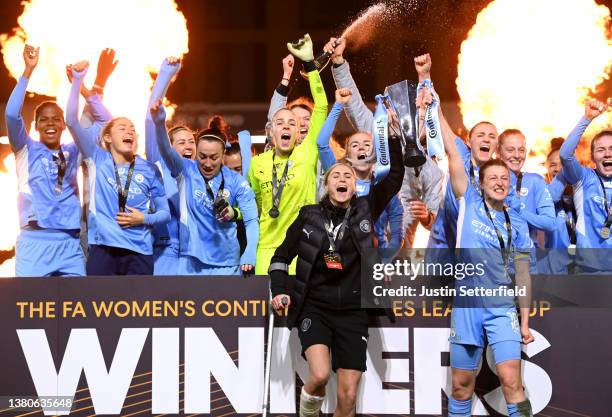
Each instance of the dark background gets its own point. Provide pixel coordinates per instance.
(236, 46)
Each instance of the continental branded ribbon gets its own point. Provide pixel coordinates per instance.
(433, 130)
(380, 136)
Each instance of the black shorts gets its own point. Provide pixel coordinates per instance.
(345, 332)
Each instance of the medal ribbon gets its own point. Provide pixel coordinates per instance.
(502, 246)
(608, 221)
(335, 235)
(122, 194)
(60, 161)
(277, 189)
(380, 136)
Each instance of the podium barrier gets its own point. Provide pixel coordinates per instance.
(138, 346)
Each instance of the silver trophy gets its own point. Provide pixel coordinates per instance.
(401, 104)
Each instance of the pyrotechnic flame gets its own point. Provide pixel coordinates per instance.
(142, 32)
(67, 31)
(531, 64)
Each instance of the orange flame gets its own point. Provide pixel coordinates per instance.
(142, 32)
(531, 64)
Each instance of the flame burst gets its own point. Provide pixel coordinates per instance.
(531, 64)
(142, 33)
(67, 31)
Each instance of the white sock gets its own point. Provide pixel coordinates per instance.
(310, 405)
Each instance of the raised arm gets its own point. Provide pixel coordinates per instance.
(557, 186)
(169, 68)
(382, 192)
(360, 116)
(17, 134)
(244, 140)
(106, 66)
(85, 140)
(279, 97)
(571, 166)
(173, 160)
(325, 153)
(303, 50)
(456, 168)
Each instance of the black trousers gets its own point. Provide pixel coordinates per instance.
(107, 260)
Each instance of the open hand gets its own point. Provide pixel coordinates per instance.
(133, 217)
(106, 66)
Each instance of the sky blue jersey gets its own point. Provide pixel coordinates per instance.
(38, 200)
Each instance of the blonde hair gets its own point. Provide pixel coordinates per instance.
(334, 166)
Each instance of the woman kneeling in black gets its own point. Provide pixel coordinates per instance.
(330, 239)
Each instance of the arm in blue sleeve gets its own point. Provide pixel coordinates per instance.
(161, 214)
(572, 168)
(244, 140)
(84, 138)
(396, 216)
(464, 151)
(325, 153)
(98, 110)
(248, 207)
(160, 87)
(557, 187)
(17, 134)
(173, 160)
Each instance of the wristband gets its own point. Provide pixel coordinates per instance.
(285, 79)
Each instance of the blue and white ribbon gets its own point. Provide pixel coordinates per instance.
(433, 130)
(380, 136)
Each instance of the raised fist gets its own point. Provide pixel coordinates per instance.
(343, 95)
(288, 62)
(422, 64)
(594, 108)
(158, 113)
(30, 56)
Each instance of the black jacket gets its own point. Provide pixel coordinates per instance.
(307, 239)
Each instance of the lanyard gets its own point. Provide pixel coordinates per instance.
(570, 224)
(608, 210)
(277, 189)
(335, 234)
(122, 194)
(60, 161)
(519, 183)
(219, 191)
(502, 246)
